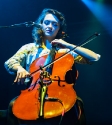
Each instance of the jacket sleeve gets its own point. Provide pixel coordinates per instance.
(17, 59)
(79, 59)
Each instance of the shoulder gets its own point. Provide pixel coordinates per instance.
(29, 46)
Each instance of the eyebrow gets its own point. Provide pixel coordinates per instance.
(58, 23)
(51, 21)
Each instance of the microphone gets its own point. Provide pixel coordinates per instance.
(97, 34)
(26, 24)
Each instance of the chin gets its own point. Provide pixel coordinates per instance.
(49, 35)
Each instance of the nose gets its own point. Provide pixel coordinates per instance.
(50, 25)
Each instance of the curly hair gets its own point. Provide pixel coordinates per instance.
(37, 32)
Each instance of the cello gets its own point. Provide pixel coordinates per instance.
(47, 99)
(59, 96)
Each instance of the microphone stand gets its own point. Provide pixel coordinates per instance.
(26, 24)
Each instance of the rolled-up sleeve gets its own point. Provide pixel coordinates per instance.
(17, 59)
(79, 59)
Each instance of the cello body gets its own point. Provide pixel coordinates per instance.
(27, 105)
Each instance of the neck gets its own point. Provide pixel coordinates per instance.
(49, 38)
(47, 44)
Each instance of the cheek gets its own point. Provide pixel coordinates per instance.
(56, 30)
(43, 27)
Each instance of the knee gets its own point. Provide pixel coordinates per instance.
(79, 102)
(11, 105)
(81, 116)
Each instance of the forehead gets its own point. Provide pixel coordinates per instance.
(51, 17)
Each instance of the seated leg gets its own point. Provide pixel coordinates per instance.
(11, 119)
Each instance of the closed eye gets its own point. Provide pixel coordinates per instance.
(55, 23)
(47, 22)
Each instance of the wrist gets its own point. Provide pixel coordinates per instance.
(71, 46)
(16, 67)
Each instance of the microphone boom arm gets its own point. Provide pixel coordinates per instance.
(26, 24)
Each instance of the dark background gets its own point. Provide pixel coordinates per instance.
(94, 84)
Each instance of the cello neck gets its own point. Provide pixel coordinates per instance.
(49, 59)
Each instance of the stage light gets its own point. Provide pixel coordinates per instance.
(102, 12)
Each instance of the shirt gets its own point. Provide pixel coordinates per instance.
(29, 52)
